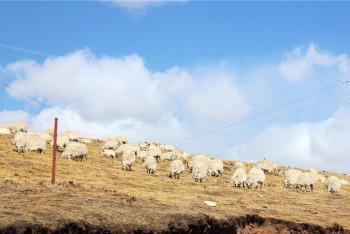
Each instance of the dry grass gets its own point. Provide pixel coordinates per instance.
(99, 192)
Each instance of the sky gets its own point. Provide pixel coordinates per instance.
(235, 80)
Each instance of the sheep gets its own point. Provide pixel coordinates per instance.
(150, 164)
(239, 177)
(156, 153)
(333, 184)
(34, 143)
(216, 167)
(18, 127)
(85, 140)
(46, 137)
(144, 146)
(291, 177)
(200, 170)
(268, 167)
(176, 168)
(120, 139)
(127, 147)
(142, 154)
(195, 159)
(4, 131)
(75, 151)
(255, 178)
(61, 143)
(19, 142)
(170, 156)
(71, 135)
(307, 180)
(167, 148)
(111, 144)
(128, 158)
(109, 153)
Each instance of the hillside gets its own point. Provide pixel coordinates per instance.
(97, 195)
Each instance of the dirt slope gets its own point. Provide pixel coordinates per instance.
(97, 195)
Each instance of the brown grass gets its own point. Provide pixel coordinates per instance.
(100, 193)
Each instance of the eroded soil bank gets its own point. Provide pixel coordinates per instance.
(183, 224)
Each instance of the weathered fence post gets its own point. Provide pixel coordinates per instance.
(54, 146)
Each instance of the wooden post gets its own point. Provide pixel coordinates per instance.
(54, 146)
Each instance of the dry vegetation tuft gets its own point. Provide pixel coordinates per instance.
(100, 193)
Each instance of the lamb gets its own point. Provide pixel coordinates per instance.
(18, 127)
(34, 143)
(150, 164)
(19, 142)
(75, 151)
(239, 177)
(200, 170)
(333, 184)
(291, 177)
(4, 131)
(268, 167)
(176, 168)
(128, 158)
(255, 178)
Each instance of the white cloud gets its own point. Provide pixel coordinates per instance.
(323, 145)
(7, 116)
(301, 64)
(137, 5)
(123, 90)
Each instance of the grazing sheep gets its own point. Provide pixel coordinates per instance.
(127, 147)
(34, 143)
(156, 153)
(19, 142)
(307, 180)
(216, 167)
(176, 168)
(268, 167)
(197, 158)
(167, 148)
(200, 170)
(333, 184)
(18, 127)
(170, 156)
(111, 144)
(291, 177)
(128, 158)
(109, 153)
(239, 177)
(61, 143)
(150, 164)
(142, 154)
(72, 136)
(120, 139)
(4, 131)
(145, 145)
(75, 151)
(255, 178)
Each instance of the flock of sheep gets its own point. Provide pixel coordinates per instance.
(73, 147)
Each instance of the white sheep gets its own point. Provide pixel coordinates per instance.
(46, 137)
(291, 177)
(127, 147)
(255, 178)
(176, 168)
(200, 170)
(4, 131)
(75, 151)
(120, 139)
(333, 184)
(61, 143)
(308, 180)
(19, 142)
(239, 177)
(18, 127)
(268, 166)
(216, 167)
(111, 144)
(128, 158)
(85, 140)
(109, 153)
(34, 143)
(155, 152)
(73, 136)
(170, 156)
(150, 164)
(167, 148)
(197, 158)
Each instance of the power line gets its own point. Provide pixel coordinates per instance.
(272, 110)
(19, 49)
(274, 119)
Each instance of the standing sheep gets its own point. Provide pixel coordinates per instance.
(176, 168)
(268, 167)
(333, 184)
(34, 143)
(150, 164)
(200, 170)
(128, 158)
(255, 178)
(75, 151)
(18, 127)
(62, 142)
(19, 142)
(239, 177)
(216, 167)
(290, 177)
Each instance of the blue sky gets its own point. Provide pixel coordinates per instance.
(198, 66)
